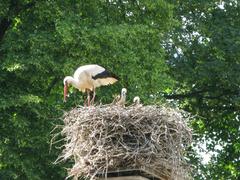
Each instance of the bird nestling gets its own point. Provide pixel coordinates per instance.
(123, 97)
(136, 101)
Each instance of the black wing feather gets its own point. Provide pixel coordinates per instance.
(105, 74)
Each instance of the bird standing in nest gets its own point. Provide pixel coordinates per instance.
(136, 101)
(120, 99)
(87, 78)
(123, 97)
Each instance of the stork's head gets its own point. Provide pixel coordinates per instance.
(124, 92)
(66, 82)
(136, 100)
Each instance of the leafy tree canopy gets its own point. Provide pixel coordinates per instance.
(187, 51)
(42, 41)
(205, 62)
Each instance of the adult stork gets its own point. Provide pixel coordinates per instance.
(87, 78)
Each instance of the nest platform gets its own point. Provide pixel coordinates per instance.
(108, 138)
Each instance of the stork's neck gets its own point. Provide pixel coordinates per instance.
(123, 97)
(72, 81)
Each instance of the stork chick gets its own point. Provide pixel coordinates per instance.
(136, 101)
(116, 99)
(122, 100)
(87, 78)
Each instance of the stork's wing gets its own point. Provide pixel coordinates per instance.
(91, 69)
(104, 81)
(105, 74)
(99, 75)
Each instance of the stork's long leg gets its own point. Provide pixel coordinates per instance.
(85, 102)
(85, 99)
(88, 96)
(93, 98)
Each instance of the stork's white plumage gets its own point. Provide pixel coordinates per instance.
(88, 77)
(123, 97)
(136, 100)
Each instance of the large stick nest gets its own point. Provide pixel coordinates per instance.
(108, 137)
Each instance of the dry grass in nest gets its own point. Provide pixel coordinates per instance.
(108, 137)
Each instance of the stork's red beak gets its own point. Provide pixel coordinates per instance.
(65, 92)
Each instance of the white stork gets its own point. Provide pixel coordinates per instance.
(123, 97)
(88, 77)
(136, 100)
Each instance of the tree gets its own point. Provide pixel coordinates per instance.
(187, 51)
(41, 41)
(204, 53)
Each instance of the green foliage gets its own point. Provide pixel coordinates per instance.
(182, 50)
(208, 78)
(42, 41)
